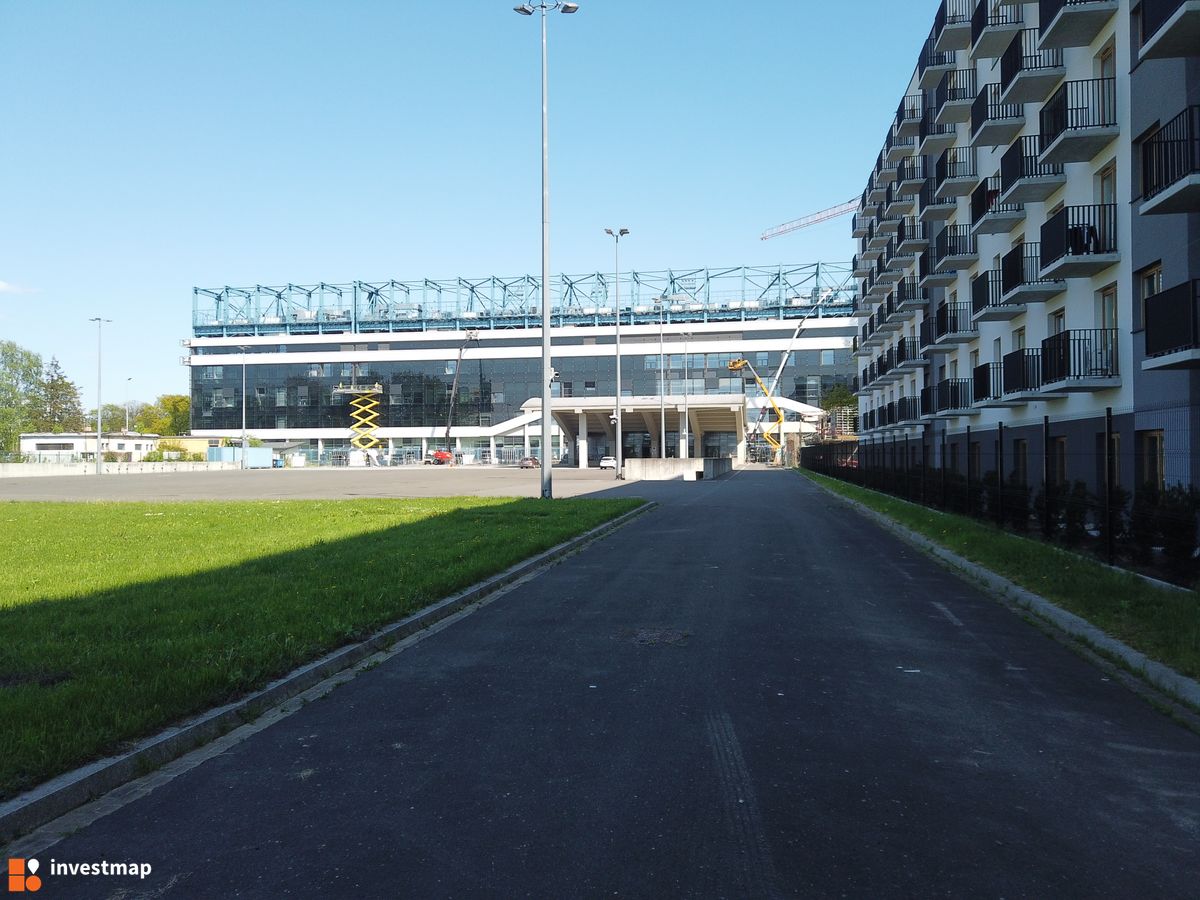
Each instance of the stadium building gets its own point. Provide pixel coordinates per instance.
(463, 357)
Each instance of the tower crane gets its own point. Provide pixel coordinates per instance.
(834, 212)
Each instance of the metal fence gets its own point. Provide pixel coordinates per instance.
(1123, 487)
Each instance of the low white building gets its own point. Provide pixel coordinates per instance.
(75, 447)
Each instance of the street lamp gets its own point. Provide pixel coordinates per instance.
(127, 402)
(616, 236)
(244, 350)
(685, 430)
(100, 323)
(660, 302)
(526, 9)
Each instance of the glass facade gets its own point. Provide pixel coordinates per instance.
(416, 394)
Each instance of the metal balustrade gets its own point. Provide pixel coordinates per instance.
(986, 199)
(1079, 231)
(1024, 56)
(1022, 370)
(986, 292)
(1079, 105)
(1172, 319)
(1080, 353)
(1171, 154)
(987, 109)
(987, 381)
(1021, 161)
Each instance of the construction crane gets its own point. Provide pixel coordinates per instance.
(834, 212)
(776, 445)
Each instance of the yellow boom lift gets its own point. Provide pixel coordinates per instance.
(775, 443)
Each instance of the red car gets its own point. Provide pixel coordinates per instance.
(439, 458)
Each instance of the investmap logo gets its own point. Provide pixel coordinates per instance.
(22, 876)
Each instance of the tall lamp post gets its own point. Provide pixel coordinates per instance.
(616, 236)
(526, 9)
(685, 431)
(100, 323)
(660, 302)
(127, 402)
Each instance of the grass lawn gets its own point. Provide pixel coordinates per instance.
(1161, 623)
(120, 618)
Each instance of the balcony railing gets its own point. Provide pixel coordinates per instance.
(910, 109)
(931, 57)
(1079, 231)
(1078, 105)
(909, 290)
(952, 393)
(929, 199)
(986, 291)
(928, 333)
(1023, 55)
(1021, 161)
(1020, 266)
(986, 199)
(907, 350)
(958, 85)
(910, 230)
(1080, 353)
(957, 162)
(911, 168)
(1172, 153)
(987, 108)
(987, 16)
(1172, 320)
(987, 381)
(931, 127)
(1022, 371)
(954, 240)
(908, 409)
(953, 318)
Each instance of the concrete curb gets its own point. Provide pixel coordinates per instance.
(1164, 678)
(64, 793)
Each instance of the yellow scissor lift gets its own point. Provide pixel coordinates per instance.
(774, 442)
(364, 412)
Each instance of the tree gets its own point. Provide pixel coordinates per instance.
(169, 414)
(20, 374)
(54, 405)
(837, 397)
(113, 419)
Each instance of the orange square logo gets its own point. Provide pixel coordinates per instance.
(21, 877)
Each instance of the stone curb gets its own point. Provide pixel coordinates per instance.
(1164, 678)
(65, 792)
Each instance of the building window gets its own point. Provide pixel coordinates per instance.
(281, 421)
(1020, 455)
(1058, 462)
(1115, 457)
(589, 386)
(1149, 282)
(1106, 307)
(827, 357)
(281, 396)
(1151, 459)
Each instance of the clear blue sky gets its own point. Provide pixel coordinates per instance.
(152, 146)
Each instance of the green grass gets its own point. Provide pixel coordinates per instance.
(1161, 623)
(120, 618)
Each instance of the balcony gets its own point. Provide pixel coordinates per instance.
(1073, 23)
(1173, 328)
(1022, 374)
(955, 248)
(910, 176)
(898, 203)
(876, 188)
(934, 208)
(910, 237)
(1079, 241)
(1079, 120)
(876, 238)
(908, 355)
(932, 65)
(1171, 166)
(1081, 360)
(989, 213)
(994, 124)
(928, 275)
(908, 410)
(1024, 178)
(955, 173)
(1027, 73)
(934, 137)
(1170, 28)
(952, 25)
(1020, 280)
(860, 267)
(885, 220)
(993, 29)
(859, 223)
(953, 324)
(987, 386)
(908, 115)
(898, 146)
(910, 296)
(950, 397)
(954, 97)
(883, 366)
(928, 334)
(987, 299)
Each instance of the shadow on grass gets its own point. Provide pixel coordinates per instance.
(85, 676)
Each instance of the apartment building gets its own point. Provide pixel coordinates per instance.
(1029, 247)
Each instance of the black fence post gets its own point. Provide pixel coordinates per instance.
(943, 468)
(924, 461)
(1047, 488)
(969, 479)
(1000, 474)
(1109, 544)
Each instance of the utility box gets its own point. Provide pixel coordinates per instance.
(256, 457)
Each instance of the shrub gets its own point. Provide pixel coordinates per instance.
(1075, 513)
(1177, 524)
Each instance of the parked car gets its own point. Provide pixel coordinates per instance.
(608, 462)
(529, 462)
(439, 458)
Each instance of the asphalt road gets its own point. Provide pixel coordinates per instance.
(750, 691)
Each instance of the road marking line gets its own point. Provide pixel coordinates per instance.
(949, 615)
